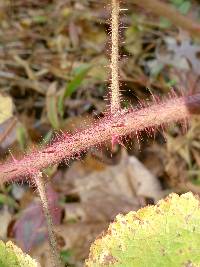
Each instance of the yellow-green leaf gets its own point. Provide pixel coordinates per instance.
(167, 234)
(12, 256)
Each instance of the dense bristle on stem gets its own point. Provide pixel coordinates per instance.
(123, 123)
(115, 92)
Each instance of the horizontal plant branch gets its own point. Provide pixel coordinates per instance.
(162, 9)
(121, 124)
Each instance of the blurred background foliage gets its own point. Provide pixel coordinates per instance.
(54, 76)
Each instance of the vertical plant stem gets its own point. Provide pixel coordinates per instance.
(56, 261)
(115, 93)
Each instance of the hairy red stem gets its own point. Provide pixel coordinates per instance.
(122, 123)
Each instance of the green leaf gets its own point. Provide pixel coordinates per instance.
(65, 255)
(51, 106)
(177, 2)
(7, 200)
(167, 234)
(12, 256)
(40, 19)
(171, 83)
(47, 137)
(22, 136)
(79, 75)
(164, 23)
(184, 7)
